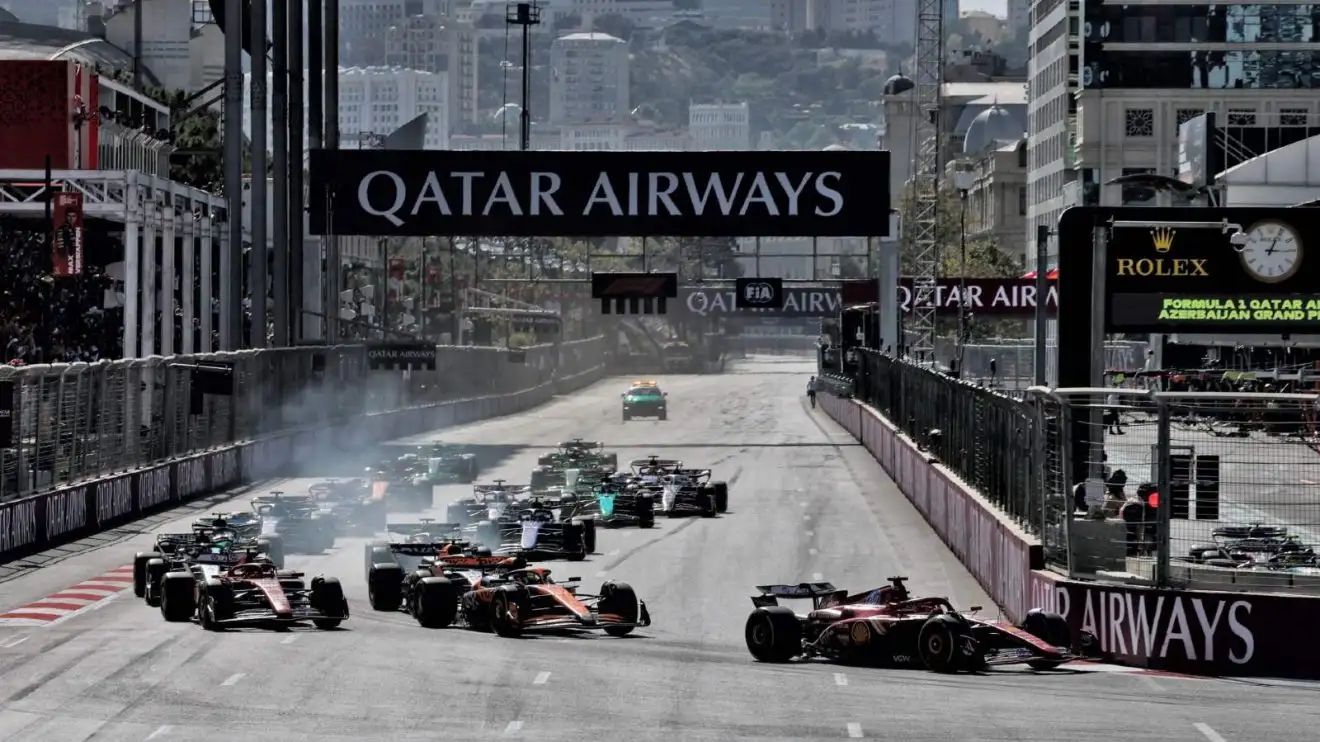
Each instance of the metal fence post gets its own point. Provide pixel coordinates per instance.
(1163, 440)
(1065, 425)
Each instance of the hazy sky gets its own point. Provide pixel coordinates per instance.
(996, 7)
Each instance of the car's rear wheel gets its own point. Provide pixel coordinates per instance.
(435, 603)
(1051, 628)
(773, 634)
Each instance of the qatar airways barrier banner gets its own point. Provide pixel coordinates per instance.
(1229, 634)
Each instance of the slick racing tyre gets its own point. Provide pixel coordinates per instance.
(645, 512)
(435, 602)
(1051, 628)
(156, 569)
(385, 587)
(327, 596)
(178, 603)
(507, 611)
(773, 634)
(619, 601)
(588, 534)
(140, 571)
(721, 496)
(940, 644)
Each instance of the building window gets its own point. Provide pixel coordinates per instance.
(1022, 200)
(1241, 117)
(1292, 117)
(1187, 114)
(1139, 122)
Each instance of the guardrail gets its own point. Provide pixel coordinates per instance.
(98, 445)
(1219, 631)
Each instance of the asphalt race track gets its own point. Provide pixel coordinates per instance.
(806, 503)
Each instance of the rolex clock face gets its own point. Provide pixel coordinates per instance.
(1273, 252)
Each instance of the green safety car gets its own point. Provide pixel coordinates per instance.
(645, 399)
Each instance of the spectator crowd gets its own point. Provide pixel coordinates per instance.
(50, 319)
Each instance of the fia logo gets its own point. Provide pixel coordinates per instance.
(758, 293)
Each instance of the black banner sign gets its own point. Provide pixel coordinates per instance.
(797, 302)
(600, 194)
(634, 293)
(398, 356)
(759, 293)
(1191, 279)
(1208, 633)
(7, 389)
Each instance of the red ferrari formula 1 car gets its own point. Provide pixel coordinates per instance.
(250, 593)
(887, 627)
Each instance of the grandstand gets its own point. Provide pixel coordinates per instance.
(148, 248)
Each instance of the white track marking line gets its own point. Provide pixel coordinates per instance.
(513, 729)
(160, 731)
(613, 553)
(541, 678)
(817, 576)
(289, 639)
(803, 503)
(1209, 733)
(1150, 683)
(806, 517)
(810, 533)
(601, 573)
(840, 679)
(233, 679)
(855, 730)
(15, 642)
(813, 551)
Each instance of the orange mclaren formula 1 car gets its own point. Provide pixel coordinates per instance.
(495, 593)
(887, 627)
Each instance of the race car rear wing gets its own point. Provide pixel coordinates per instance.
(513, 489)
(815, 591)
(425, 526)
(663, 463)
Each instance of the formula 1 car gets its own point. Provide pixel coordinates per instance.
(580, 454)
(243, 525)
(356, 505)
(401, 486)
(488, 502)
(683, 491)
(298, 520)
(245, 593)
(436, 463)
(1254, 547)
(180, 548)
(503, 595)
(425, 538)
(887, 627)
(534, 533)
(608, 503)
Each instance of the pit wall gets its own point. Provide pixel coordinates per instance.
(1190, 631)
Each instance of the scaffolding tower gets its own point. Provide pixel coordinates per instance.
(926, 181)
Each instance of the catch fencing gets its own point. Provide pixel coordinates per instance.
(79, 421)
(1191, 490)
(1235, 477)
(986, 437)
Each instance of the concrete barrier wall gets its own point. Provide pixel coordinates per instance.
(39, 522)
